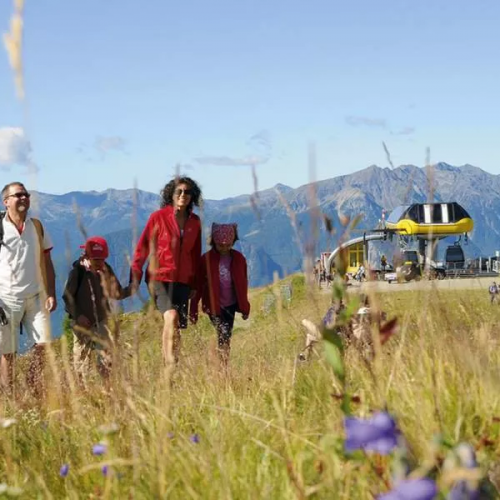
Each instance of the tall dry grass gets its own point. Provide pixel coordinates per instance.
(272, 428)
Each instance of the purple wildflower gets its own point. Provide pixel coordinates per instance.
(195, 439)
(412, 489)
(170, 435)
(99, 449)
(63, 471)
(467, 456)
(104, 470)
(464, 490)
(378, 434)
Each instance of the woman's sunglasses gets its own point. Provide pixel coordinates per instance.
(187, 192)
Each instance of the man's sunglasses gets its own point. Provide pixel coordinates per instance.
(187, 192)
(22, 194)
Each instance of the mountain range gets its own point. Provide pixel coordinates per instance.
(278, 225)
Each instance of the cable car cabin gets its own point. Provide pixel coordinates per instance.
(454, 257)
(430, 218)
(356, 257)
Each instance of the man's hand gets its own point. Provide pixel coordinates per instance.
(3, 317)
(244, 316)
(83, 321)
(51, 304)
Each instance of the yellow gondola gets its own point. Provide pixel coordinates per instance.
(438, 219)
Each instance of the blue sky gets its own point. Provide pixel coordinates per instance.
(117, 93)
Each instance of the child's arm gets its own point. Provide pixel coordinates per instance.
(116, 291)
(246, 308)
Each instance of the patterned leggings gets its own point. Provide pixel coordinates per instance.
(224, 325)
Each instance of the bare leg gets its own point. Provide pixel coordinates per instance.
(7, 372)
(35, 376)
(104, 363)
(104, 367)
(171, 338)
(82, 349)
(105, 352)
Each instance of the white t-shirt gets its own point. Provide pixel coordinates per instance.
(20, 272)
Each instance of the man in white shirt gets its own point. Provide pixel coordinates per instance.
(27, 286)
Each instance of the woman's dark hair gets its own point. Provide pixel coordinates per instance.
(167, 193)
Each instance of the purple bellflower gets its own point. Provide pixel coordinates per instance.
(99, 449)
(412, 489)
(378, 433)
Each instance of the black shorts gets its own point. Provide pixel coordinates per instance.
(170, 296)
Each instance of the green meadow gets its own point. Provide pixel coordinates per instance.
(272, 427)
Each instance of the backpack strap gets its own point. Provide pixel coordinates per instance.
(40, 232)
(2, 217)
(39, 227)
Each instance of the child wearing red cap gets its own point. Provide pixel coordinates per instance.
(90, 285)
(223, 286)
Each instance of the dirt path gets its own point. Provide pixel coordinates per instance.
(447, 284)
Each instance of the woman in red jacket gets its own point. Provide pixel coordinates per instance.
(223, 286)
(172, 242)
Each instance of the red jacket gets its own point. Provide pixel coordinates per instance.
(209, 279)
(171, 258)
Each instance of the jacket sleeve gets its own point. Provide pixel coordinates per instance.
(196, 256)
(69, 293)
(245, 306)
(142, 250)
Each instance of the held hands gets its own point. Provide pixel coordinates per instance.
(244, 317)
(132, 287)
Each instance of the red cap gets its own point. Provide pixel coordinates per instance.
(96, 248)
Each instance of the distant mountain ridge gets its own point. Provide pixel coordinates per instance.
(277, 224)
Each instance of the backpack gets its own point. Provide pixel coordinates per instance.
(81, 273)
